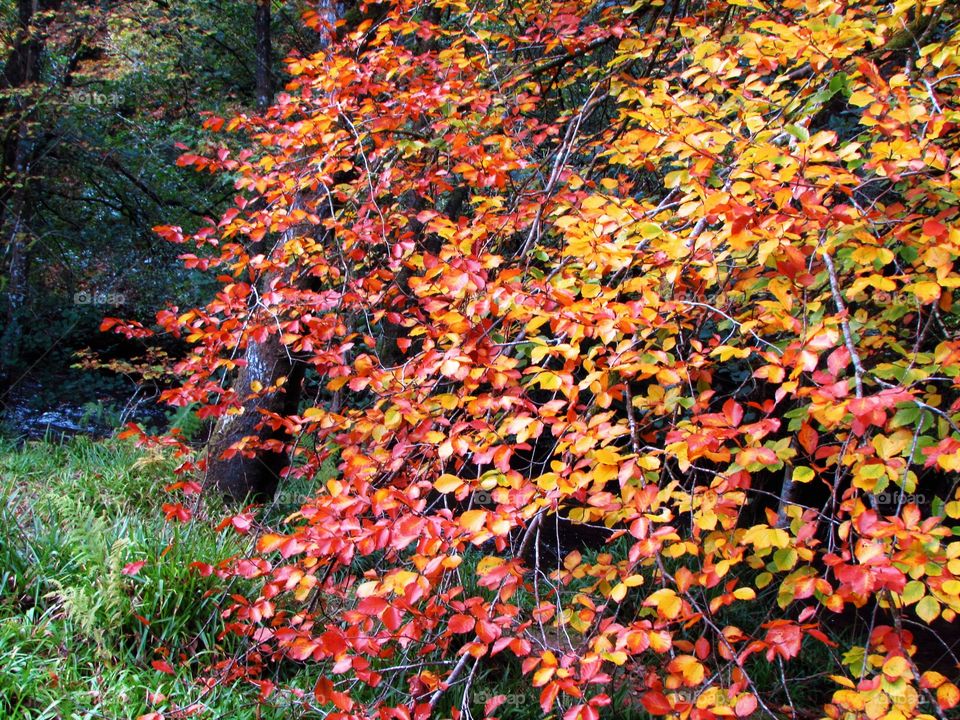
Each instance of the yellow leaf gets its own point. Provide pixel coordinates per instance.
(593, 202)
(487, 564)
(542, 676)
(763, 536)
(650, 230)
(335, 385)
(617, 658)
(367, 589)
(447, 401)
(803, 474)
(666, 602)
(547, 481)
(447, 483)
(606, 456)
(648, 462)
(603, 474)
(926, 291)
(549, 381)
(725, 352)
(400, 579)
(473, 520)
(689, 668)
(928, 609)
(896, 667)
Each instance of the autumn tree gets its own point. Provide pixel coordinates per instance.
(678, 274)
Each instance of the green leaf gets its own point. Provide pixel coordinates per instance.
(839, 83)
(913, 592)
(907, 416)
(650, 230)
(800, 133)
(785, 559)
(928, 609)
(803, 474)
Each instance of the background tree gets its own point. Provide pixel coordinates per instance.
(21, 74)
(95, 97)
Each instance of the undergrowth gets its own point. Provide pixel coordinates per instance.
(86, 630)
(80, 625)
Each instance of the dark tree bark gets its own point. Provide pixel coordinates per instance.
(20, 70)
(258, 477)
(15, 239)
(264, 51)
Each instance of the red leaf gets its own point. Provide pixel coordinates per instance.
(733, 412)
(162, 666)
(461, 624)
(656, 703)
(808, 438)
(745, 706)
(176, 512)
(492, 704)
(549, 695)
(838, 360)
(324, 693)
(204, 569)
(934, 228)
(133, 568)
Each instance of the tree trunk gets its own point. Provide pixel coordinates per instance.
(15, 238)
(21, 69)
(258, 477)
(264, 51)
(255, 478)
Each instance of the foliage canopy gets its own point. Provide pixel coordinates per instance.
(680, 274)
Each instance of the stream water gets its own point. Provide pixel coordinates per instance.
(24, 415)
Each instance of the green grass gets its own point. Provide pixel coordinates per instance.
(77, 635)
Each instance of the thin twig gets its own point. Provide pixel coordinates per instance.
(845, 324)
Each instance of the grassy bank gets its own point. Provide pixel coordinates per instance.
(83, 630)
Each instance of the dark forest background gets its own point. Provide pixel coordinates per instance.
(97, 100)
